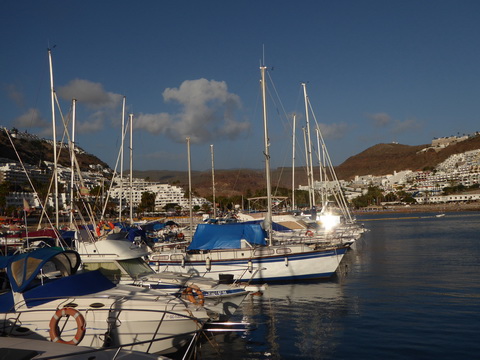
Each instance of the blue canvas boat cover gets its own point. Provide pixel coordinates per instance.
(22, 269)
(229, 236)
(81, 284)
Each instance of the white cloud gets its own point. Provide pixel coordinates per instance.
(95, 123)
(31, 119)
(406, 126)
(380, 119)
(333, 131)
(90, 94)
(207, 112)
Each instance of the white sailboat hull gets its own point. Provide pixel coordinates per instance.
(264, 264)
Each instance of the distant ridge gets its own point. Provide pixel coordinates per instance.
(383, 159)
(380, 159)
(34, 151)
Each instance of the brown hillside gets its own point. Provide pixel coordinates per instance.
(380, 159)
(36, 151)
(377, 160)
(384, 159)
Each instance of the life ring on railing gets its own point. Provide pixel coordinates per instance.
(309, 233)
(180, 236)
(100, 229)
(188, 293)
(55, 331)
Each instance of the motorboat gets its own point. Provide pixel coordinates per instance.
(44, 297)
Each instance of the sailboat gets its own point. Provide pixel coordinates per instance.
(248, 252)
(333, 221)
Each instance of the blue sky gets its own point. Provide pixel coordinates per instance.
(376, 72)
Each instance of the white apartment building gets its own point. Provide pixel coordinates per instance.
(165, 194)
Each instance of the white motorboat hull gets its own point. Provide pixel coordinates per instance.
(116, 317)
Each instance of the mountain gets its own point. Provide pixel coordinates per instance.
(383, 159)
(33, 150)
(380, 159)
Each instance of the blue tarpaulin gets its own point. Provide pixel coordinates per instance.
(22, 269)
(136, 233)
(211, 236)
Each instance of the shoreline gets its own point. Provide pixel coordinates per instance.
(416, 208)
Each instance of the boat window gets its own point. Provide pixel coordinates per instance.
(282, 251)
(109, 269)
(263, 252)
(136, 267)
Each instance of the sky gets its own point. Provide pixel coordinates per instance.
(376, 71)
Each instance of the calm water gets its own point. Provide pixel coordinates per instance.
(410, 290)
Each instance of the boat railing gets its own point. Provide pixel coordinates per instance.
(15, 322)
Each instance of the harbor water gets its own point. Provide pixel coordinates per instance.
(409, 290)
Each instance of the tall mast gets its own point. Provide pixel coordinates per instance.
(121, 161)
(213, 184)
(322, 178)
(308, 167)
(72, 164)
(131, 168)
(55, 170)
(310, 161)
(293, 162)
(190, 187)
(268, 218)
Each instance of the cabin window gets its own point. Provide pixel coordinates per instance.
(136, 267)
(260, 252)
(109, 269)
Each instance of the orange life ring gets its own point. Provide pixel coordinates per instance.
(55, 331)
(188, 293)
(309, 233)
(100, 229)
(180, 236)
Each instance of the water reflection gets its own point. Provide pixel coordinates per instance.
(409, 289)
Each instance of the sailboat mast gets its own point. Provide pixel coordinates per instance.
(131, 168)
(121, 161)
(322, 178)
(268, 218)
(308, 167)
(72, 156)
(293, 161)
(310, 161)
(55, 170)
(190, 187)
(213, 184)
